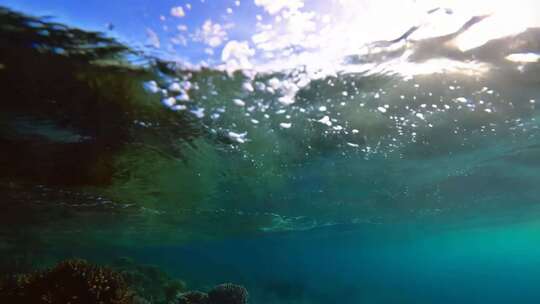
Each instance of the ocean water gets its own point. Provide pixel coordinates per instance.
(308, 164)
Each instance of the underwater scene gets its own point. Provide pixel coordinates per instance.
(269, 151)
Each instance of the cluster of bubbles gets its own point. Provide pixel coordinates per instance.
(382, 98)
(391, 113)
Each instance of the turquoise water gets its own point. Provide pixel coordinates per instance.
(378, 183)
(488, 264)
(402, 264)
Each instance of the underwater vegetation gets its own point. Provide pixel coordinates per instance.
(77, 281)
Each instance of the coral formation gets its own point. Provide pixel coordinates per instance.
(192, 297)
(149, 281)
(228, 294)
(173, 288)
(220, 294)
(77, 281)
(72, 281)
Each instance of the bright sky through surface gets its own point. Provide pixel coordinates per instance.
(276, 34)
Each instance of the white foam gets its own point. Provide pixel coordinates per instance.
(325, 121)
(238, 137)
(169, 102)
(175, 87)
(151, 86)
(198, 112)
(239, 102)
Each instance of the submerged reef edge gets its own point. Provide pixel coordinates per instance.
(79, 281)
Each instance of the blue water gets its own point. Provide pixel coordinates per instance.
(401, 264)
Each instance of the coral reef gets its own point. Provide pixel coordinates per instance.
(228, 294)
(173, 288)
(149, 281)
(192, 297)
(77, 281)
(220, 294)
(72, 281)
